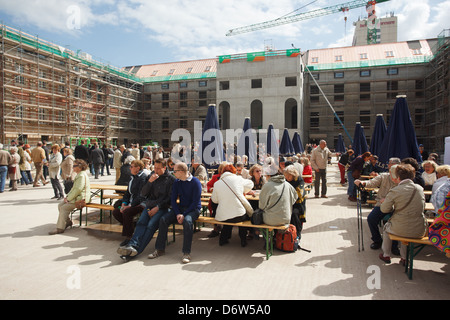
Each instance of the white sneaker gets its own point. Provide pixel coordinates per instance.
(186, 258)
(156, 254)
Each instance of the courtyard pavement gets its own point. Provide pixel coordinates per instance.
(83, 263)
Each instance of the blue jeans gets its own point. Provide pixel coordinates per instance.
(146, 228)
(3, 174)
(188, 229)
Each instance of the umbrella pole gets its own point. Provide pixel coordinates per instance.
(359, 218)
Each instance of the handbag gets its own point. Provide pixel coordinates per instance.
(257, 216)
(80, 204)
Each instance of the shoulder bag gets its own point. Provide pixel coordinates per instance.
(257, 216)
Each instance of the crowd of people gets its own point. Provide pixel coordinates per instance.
(163, 191)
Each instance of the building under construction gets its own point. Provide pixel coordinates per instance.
(51, 93)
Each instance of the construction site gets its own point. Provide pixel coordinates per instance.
(51, 93)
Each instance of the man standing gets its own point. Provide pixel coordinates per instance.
(319, 160)
(81, 152)
(96, 158)
(117, 160)
(38, 157)
(188, 189)
(5, 158)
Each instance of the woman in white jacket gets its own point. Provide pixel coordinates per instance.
(232, 206)
(54, 166)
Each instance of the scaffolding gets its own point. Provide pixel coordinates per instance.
(52, 93)
(437, 92)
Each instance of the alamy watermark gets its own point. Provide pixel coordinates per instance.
(73, 21)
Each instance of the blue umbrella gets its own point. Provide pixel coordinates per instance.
(212, 141)
(400, 140)
(272, 144)
(378, 135)
(340, 147)
(357, 137)
(247, 143)
(286, 147)
(297, 143)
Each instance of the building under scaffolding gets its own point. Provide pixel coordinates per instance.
(51, 93)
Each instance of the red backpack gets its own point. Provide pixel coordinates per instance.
(287, 240)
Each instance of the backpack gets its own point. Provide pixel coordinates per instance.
(287, 240)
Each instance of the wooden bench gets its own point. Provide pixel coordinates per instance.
(266, 230)
(414, 247)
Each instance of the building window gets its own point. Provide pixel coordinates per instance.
(183, 122)
(256, 83)
(165, 96)
(416, 52)
(314, 99)
(364, 118)
(165, 105)
(339, 88)
(202, 103)
(363, 56)
(183, 95)
(20, 79)
(338, 58)
(41, 114)
(364, 87)
(291, 81)
(189, 70)
(389, 54)
(208, 69)
(165, 124)
(315, 76)
(171, 71)
(183, 84)
(164, 86)
(364, 97)
(314, 90)
(203, 83)
(224, 85)
(314, 59)
(392, 71)
(314, 120)
(338, 75)
(154, 73)
(202, 94)
(364, 73)
(339, 97)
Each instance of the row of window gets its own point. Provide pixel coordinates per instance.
(166, 86)
(258, 83)
(364, 56)
(188, 70)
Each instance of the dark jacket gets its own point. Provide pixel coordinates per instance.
(81, 152)
(133, 195)
(96, 156)
(125, 175)
(157, 193)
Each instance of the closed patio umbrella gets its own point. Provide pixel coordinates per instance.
(378, 134)
(286, 147)
(297, 143)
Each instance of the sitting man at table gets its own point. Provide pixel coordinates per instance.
(384, 182)
(132, 201)
(156, 191)
(188, 189)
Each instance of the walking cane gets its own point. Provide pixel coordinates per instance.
(359, 218)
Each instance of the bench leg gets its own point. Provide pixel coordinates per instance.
(410, 254)
(268, 236)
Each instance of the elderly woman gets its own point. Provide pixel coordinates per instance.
(299, 208)
(429, 174)
(228, 193)
(67, 172)
(276, 197)
(80, 190)
(54, 166)
(14, 169)
(407, 201)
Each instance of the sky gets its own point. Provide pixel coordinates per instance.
(138, 32)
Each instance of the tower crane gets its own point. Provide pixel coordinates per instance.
(343, 7)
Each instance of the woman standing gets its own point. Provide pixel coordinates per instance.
(67, 172)
(299, 208)
(27, 162)
(80, 190)
(14, 169)
(54, 167)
